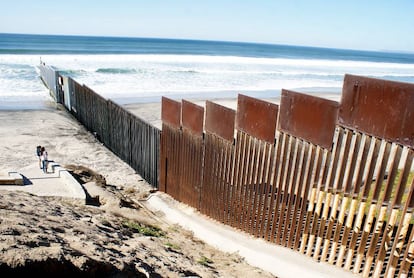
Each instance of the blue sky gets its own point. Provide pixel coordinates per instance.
(351, 24)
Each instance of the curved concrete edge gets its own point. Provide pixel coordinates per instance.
(18, 178)
(280, 261)
(71, 182)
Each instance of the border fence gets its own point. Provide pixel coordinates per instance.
(333, 181)
(129, 137)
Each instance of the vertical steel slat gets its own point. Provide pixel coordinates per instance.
(214, 176)
(302, 181)
(324, 201)
(332, 199)
(260, 185)
(296, 191)
(253, 186)
(239, 180)
(392, 185)
(272, 190)
(357, 230)
(361, 157)
(351, 171)
(235, 180)
(318, 194)
(221, 184)
(228, 183)
(338, 189)
(290, 190)
(312, 166)
(206, 175)
(284, 141)
(381, 206)
(291, 153)
(317, 175)
(363, 248)
(263, 180)
(243, 181)
(250, 185)
(406, 268)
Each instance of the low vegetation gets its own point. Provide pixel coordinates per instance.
(146, 230)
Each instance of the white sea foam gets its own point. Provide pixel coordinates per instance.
(117, 76)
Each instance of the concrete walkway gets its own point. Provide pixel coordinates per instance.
(280, 261)
(57, 182)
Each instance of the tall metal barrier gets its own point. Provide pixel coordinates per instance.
(218, 158)
(250, 202)
(129, 137)
(170, 147)
(49, 76)
(333, 181)
(192, 153)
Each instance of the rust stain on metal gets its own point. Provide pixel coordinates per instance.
(192, 117)
(308, 117)
(220, 120)
(171, 112)
(380, 108)
(257, 117)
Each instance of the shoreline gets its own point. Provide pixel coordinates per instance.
(150, 111)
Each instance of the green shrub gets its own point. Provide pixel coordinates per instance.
(204, 261)
(146, 230)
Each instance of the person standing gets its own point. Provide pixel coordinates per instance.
(39, 154)
(44, 160)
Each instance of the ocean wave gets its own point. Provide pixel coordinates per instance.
(66, 60)
(117, 70)
(150, 74)
(72, 72)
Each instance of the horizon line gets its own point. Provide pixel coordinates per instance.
(391, 51)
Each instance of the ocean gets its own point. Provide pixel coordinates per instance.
(144, 69)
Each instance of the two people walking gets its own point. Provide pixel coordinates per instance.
(43, 159)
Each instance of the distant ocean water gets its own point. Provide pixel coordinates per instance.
(141, 69)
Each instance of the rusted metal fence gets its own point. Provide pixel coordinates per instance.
(330, 180)
(129, 137)
(333, 181)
